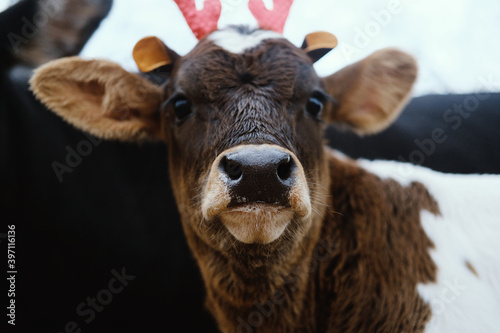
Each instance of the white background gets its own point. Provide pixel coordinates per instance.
(456, 42)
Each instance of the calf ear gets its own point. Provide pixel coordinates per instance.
(371, 93)
(100, 97)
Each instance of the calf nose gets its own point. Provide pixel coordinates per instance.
(258, 175)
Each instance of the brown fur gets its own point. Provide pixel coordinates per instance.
(377, 89)
(352, 265)
(357, 274)
(381, 254)
(117, 105)
(239, 276)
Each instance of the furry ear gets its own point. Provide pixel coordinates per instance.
(100, 97)
(317, 44)
(371, 93)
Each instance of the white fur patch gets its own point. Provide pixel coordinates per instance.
(233, 41)
(467, 231)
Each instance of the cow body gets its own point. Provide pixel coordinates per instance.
(463, 296)
(313, 241)
(448, 133)
(401, 248)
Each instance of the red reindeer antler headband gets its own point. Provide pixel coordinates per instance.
(271, 19)
(202, 22)
(151, 53)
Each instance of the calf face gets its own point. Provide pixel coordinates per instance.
(242, 115)
(243, 131)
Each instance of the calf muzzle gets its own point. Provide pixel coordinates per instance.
(256, 190)
(256, 175)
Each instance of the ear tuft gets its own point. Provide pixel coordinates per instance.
(150, 53)
(372, 92)
(317, 44)
(101, 98)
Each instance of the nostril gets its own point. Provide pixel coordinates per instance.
(285, 168)
(232, 168)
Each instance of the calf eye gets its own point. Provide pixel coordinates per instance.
(182, 108)
(314, 106)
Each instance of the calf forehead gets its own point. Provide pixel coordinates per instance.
(262, 62)
(238, 40)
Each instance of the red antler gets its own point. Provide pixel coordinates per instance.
(271, 19)
(202, 22)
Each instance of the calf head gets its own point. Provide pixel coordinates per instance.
(242, 115)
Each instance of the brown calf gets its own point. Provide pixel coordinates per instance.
(289, 236)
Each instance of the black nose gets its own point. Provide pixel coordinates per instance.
(258, 175)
